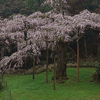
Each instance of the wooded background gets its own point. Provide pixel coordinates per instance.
(27, 7)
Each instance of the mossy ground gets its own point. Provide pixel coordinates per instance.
(23, 87)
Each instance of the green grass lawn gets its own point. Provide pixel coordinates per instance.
(23, 87)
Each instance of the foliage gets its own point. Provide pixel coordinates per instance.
(78, 5)
(98, 68)
(75, 6)
(46, 8)
(27, 7)
(9, 7)
(23, 87)
(34, 5)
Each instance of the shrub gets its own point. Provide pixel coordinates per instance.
(96, 76)
(98, 68)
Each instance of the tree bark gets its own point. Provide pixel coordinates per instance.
(78, 60)
(54, 73)
(61, 62)
(47, 62)
(33, 68)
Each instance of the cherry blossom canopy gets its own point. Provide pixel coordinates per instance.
(41, 27)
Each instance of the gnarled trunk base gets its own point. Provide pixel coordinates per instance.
(61, 62)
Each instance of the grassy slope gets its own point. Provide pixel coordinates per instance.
(24, 88)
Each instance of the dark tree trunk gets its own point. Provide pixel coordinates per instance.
(61, 62)
(85, 46)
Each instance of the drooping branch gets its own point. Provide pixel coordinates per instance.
(40, 25)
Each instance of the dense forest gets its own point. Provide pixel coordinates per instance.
(27, 7)
(9, 7)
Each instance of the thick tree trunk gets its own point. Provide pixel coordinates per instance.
(33, 68)
(47, 63)
(61, 62)
(54, 73)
